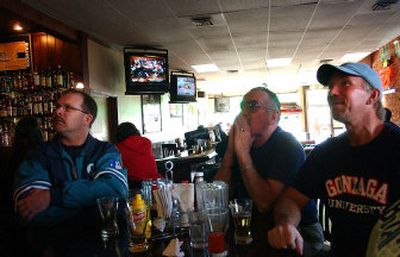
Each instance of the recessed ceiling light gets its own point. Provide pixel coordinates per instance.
(201, 68)
(17, 26)
(353, 57)
(278, 62)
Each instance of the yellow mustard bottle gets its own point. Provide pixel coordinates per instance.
(138, 240)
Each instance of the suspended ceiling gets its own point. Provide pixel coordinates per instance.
(242, 35)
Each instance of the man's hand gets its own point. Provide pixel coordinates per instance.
(36, 201)
(286, 236)
(242, 139)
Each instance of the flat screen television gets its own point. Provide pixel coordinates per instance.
(182, 88)
(146, 71)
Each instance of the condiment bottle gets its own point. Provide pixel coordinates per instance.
(138, 241)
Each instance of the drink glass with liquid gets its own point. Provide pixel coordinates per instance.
(108, 211)
(217, 222)
(241, 210)
(198, 230)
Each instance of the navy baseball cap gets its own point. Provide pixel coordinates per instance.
(358, 69)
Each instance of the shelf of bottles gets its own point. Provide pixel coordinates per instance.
(26, 93)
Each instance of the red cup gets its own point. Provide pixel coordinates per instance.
(216, 243)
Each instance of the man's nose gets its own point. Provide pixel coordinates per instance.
(59, 110)
(334, 89)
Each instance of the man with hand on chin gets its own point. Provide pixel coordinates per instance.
(261, 160)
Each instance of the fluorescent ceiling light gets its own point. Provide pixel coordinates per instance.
(353, 57)
(201, 68)
(278, 62)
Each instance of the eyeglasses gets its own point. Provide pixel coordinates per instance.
(69, 108)
(253, 106)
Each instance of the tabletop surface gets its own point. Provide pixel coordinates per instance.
(88, 243)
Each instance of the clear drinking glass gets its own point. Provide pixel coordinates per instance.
(241, 210)
(108, 207)
(198, 230)
(212, 195)
(218, 223)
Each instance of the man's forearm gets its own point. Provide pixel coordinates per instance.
(263, 192)
(288, 208)
(224, 173)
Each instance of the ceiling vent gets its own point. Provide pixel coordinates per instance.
(383, 4)
(202, 22)
(232, 71)
(328, 60)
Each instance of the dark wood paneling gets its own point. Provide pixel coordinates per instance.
(35, 20)
(49, 51)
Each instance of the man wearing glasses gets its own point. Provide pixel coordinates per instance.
(261, 160)
(62, 179)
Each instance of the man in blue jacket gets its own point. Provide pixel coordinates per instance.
(65, 176)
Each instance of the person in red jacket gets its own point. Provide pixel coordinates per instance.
(137, 155)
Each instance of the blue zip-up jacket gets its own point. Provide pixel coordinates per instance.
(96, 172)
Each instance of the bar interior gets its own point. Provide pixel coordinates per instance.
(141, 63)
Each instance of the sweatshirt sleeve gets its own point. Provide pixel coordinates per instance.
(108, 178)
(31, 174)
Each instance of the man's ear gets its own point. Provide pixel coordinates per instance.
(374, 96)
(89, 118)
(275, 115)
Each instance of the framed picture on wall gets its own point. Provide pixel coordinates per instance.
(15, 53)
(175, 110)
(151, 113)
(222, 104)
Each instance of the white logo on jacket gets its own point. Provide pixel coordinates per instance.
(89, 168)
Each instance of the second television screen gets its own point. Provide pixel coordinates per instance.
(186, 86)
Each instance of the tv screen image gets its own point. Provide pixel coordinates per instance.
(146, 71)
(186, 86)
(182, 87)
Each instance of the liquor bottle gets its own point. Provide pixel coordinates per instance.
(14, 106)
(3, 109)
(42, 77)
(71, 80)
(25, 81)
(59, 77)
(45, 104)
(51, 102)
(21, 106)
(8, 84)
(9, 108)
(17, 81)
(28, 106)
(36, 79)
(6, 139)
(49, 78)
(35, 106)
(40, 104)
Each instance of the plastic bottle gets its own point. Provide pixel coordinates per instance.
(138, 241)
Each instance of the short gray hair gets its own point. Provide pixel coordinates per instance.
(378, 106)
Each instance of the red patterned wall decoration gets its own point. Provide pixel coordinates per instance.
(390, 72)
